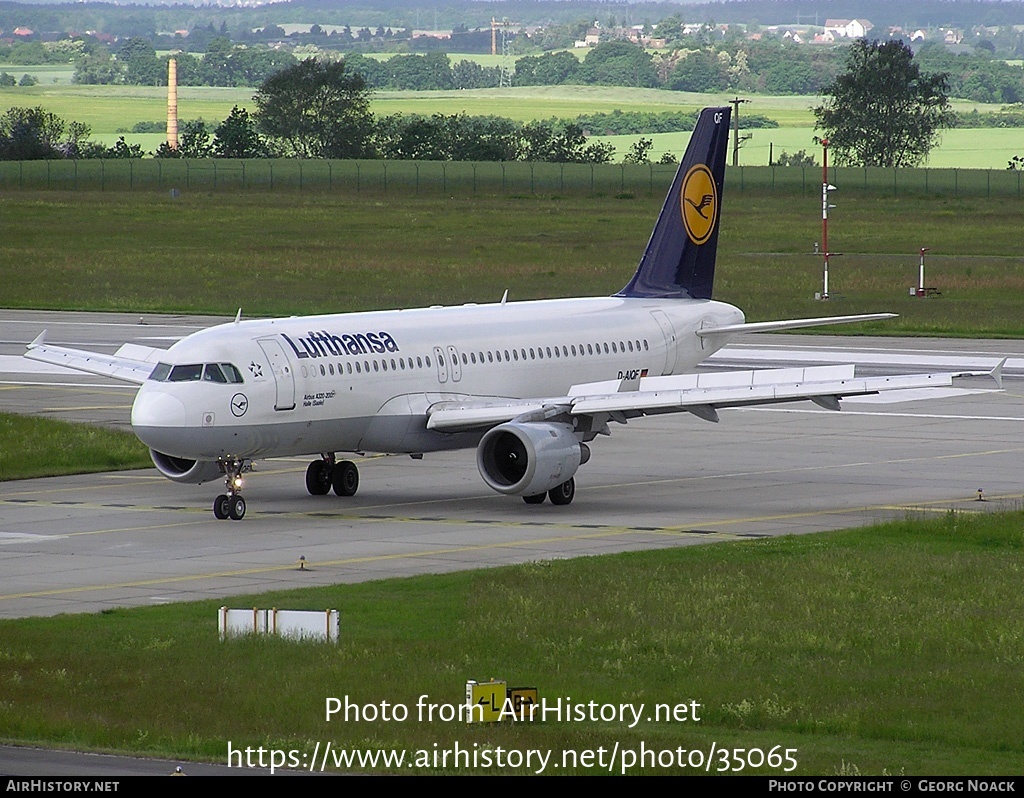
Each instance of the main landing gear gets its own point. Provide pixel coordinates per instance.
(560, 494)
(231, 504)
(327, 473)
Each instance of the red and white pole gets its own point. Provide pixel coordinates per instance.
(824, 212)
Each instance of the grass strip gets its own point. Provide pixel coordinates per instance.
(895, 648)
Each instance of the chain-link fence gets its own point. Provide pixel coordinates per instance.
(491, 178)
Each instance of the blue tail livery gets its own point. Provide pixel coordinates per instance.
(680, 257)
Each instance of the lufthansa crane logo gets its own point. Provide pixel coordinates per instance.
(698, 202)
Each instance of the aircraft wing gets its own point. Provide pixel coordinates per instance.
(700, 394)
(130, 363)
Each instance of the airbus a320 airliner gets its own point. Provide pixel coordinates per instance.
(528, 384)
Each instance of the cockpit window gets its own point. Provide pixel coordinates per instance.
(213, 373)
(189, 373)
(210, 372)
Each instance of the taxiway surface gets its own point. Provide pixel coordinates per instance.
(81, 544)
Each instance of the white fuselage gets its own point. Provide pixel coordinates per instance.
(364, 381)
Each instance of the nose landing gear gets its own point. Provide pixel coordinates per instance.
(231, 504)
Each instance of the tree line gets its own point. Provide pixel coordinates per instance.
(316, 109)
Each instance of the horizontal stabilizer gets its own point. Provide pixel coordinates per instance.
(790, 324)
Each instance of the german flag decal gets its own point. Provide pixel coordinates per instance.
(698, 200)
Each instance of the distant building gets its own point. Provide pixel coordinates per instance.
(848, 28)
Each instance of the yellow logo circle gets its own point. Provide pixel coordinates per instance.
(698, 200)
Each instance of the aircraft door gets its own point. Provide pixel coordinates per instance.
(442, 368)
(456, 366)
(284, 377)
(669, 333)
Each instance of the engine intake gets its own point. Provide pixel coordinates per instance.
(189, 472)
(527, 459)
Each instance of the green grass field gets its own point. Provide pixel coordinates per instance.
(290, 252)
(109, 108)
(27, 447)
(892, 649)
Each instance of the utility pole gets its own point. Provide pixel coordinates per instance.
(735, 103)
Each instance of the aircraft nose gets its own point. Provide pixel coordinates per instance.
(153, 408)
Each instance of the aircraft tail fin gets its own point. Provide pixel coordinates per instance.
(680, 257)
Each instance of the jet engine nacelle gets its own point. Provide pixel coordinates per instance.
(178, 469)
(528, 459)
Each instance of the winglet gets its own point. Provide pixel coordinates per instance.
(238, 316)
(997, 372)
(41, 339)
(680, 257)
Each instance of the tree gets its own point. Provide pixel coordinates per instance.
(318, 109)
(30, 134)
(619, 64)
(882, 111)
(236, 137)
(639, 151)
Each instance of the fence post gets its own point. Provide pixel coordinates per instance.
(773, 178)
(243, 176)
(502, 177)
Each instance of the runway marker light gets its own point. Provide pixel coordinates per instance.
(302, 563)
(981, 496)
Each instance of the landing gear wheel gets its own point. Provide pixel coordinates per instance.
(564, 493)
(221, 507)
(318, 478)
(345, 479)
(236, 508)
(537, 499)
